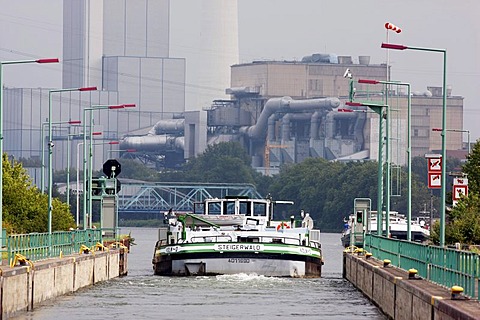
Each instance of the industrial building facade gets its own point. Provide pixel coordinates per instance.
(122, 48)
(322, 75)
(281, 111)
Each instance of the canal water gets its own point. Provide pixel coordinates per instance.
(141, 295)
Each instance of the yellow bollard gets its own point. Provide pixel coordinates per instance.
(368, 255)
(412, 273)
(21, 260)
(359, 251)
(457, 293)
(84, 249)
(386, 263)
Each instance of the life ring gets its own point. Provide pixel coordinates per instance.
(283, 225)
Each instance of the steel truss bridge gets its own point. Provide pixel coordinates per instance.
(154, 198)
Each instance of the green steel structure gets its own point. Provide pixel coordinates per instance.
(441, 265)
(388, 149)
(35, 246)
(444, 126)
(155, 197)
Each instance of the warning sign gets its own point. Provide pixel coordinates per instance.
(435, 164)
(459, 191)
(434, 180)
(460, 181)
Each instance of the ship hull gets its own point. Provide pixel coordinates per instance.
(274, 261)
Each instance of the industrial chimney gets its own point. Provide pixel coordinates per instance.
(218, 49)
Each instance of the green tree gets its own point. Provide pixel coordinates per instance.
(472, 169)
(25, 209)
(463, 223)
(134, 169)
(326, 189)
(222, 162)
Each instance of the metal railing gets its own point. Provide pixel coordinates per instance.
(441, 265)
(35, 246)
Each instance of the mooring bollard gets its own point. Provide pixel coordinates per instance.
(412, 273)
(456, 292)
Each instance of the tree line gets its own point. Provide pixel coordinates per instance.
(323, 188)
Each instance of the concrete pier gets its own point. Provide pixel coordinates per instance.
(24, 287)
(399, 297)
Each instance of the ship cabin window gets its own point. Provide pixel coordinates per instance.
(248, 239)
(259, 209)
(214, 208)
(199, 208)
(245, 208)
(229, 207)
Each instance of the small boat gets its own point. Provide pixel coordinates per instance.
(238, 235)
(397, 226)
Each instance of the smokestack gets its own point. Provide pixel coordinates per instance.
(218, 49)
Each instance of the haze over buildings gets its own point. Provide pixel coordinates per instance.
(121, 58)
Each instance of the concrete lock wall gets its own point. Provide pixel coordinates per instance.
(399, 297)
(24, 287)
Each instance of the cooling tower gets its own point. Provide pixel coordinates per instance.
(218, 49)
(82, 43)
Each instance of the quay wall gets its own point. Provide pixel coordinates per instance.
(22, 288)
(399, 297)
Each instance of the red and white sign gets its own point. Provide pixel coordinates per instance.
(434, 180)
(459, 191)
(460, 181)
(435, 164)
(460, 188)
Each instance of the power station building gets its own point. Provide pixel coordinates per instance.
(322, 75)
(280, 111)
(122, 48)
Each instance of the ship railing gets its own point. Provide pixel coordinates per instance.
(211, 238)
(255, 239)
(248, 239)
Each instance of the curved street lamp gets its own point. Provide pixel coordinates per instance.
(77, 211)
(90, 154)
(379, 109)
(2, 63)
(50, 157)
(409, 157)
(444, 125)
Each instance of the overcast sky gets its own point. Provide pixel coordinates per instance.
(287, 30)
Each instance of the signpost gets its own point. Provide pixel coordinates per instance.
(434, 162)
(460, 189)
(434, 180)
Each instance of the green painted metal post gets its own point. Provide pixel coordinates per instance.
(85, 224)
(444, 150)
(379, 109)
(42, 165)
(88, 181)
(409, 153)
(55, 60)
(444, 129)
(90, 171)
(409, 163)
(380, 175)
(387, 166)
